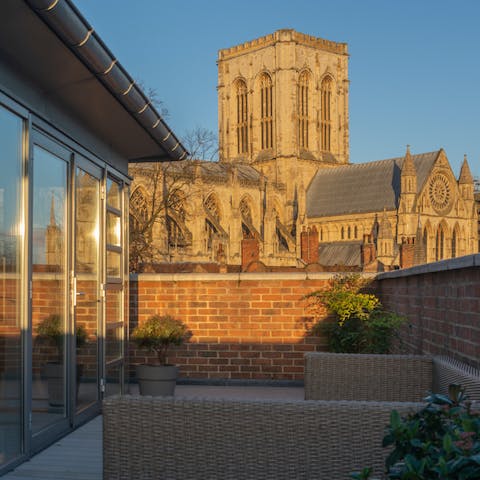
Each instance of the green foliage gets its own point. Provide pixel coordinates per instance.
(360, 325)
(158, 333)
(441, 441)
(52, 329)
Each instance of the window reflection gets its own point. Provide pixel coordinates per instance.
(11, 245)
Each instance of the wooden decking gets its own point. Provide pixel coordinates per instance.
(78, 456)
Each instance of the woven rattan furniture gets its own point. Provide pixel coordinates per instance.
(400, 378)
(175, 438)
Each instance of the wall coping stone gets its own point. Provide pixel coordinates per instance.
(467, 261)
(239, 277)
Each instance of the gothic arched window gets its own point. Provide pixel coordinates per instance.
(138, 209)
(454, 243)
(303, 119)
(440, 244)
(242, 117)
(326, 113)
(266, 111)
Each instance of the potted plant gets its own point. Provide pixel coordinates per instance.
(156, 335)
(51, 329)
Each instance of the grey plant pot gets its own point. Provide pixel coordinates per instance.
(157, 380)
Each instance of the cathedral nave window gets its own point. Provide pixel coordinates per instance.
(266, 111)
(303, 120)
(326, 113)
(242, 117)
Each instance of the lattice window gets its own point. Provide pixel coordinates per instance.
(138, 208)
(266, 113)
(326, 113)
(303, 117)
(245, 210)
(242, 117)
(454, 243)
(440, 244)
(211, 204)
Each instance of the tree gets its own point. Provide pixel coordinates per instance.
(201, 143)
(157, 204)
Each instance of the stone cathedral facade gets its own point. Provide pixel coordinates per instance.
(284, 194)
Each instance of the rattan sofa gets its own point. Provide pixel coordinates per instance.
(399, 378)
(171, 438)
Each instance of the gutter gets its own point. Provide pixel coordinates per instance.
(78, 35)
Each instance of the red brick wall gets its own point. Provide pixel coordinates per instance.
(244, 326)
(442, 303)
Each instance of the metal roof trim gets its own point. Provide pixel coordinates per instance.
(65, 20)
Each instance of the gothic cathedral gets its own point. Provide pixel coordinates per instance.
(284, 194)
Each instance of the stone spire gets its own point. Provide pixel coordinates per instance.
(408, 167)
(52, 212)
(465, 173)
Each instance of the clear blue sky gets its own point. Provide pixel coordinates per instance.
(414, 64)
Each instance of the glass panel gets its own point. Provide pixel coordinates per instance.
(49, 294)
(113, 264)
(113, 229)
(114, 380)
(114, 325)
(113, 343)
(113, 194)
(86, 268)
(11, 234)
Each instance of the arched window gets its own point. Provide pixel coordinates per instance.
(246, 214)
(454, 243)
(211, 223)
(355, 232)
(349, 232)
(242, 117)
(342, 233)
(326, 113)
(138, 209)
(440, 244)
(266, 111)
(302, 98)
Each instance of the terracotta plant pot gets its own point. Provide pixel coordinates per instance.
(157, 380)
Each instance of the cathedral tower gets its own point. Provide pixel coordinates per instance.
(283, 105)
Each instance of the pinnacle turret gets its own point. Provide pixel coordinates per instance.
(465, 173)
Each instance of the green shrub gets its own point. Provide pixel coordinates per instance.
(441, 441)
(360, 324)
(158, 333)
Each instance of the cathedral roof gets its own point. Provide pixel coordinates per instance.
(215, 171)
(363, 187)
(346, 254)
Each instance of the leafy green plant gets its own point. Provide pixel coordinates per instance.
(441, 441)
(52, 329)
(360, 324)
(158, 333)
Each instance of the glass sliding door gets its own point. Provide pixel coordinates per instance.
(114, 288)
(11, 296)
(50, 286)
(86, 295)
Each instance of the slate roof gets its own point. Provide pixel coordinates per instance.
(363, 187)
(347, 254)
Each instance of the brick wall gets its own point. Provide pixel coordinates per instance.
(244, 326)
(442, 303)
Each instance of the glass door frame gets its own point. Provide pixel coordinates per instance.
(80, 417)
(37, 441)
